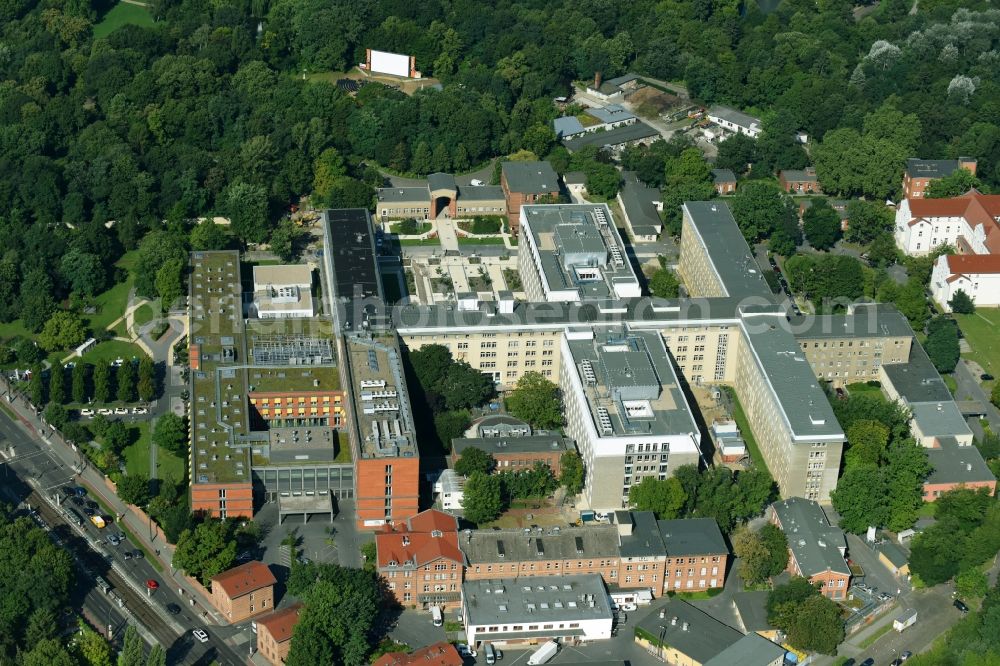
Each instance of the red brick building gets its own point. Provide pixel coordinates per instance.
(438, 654)
(799, 181)
(274, 633)
(388, 490)
(244, 591)
(921, 173)
(420, 560)
(724, 181)
(232, 500)
(816, 548)
(956, 465)
(525, 183)
(517, 453)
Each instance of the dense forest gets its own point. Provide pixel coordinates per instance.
(220, 106)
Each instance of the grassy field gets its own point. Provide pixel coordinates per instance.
(13, 329)
(110, 350)
(123, 14)
(486, 240)
(137, 458)
(143, 314)
(112, 303)
(980, 330)
(741, 421)
(879, 633)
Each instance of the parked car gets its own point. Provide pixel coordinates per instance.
(86, 412)
(868, 662)
(466, 651)
(475, 182)
(200, 635)
(960, 605)
(87, 510)
(121, 411)
(128, 555)
(986, 377)
(140, 410)
(630, 607)
(114, 539)
(138, 554)
(173, 609)
(105, 412)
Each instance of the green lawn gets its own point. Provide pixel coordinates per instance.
(419, 241)
(143, 314)
(123, 14)
(137, 458)
(112, 303)
(741, 421)
(861, 387)
(109, 350)
(878, 633)
(980, 330)
(486, 240)
(13, 329)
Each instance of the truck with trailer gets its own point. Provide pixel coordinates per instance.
(543, 654)
(907, 619)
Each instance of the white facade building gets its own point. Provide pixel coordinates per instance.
(625, 410)
(282, 292)
(735, 121)
(573, 252)
(536, 609)
(977, 275)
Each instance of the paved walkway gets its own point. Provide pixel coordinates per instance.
(447, 234)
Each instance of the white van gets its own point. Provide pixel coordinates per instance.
(436, 618)
(491, 655)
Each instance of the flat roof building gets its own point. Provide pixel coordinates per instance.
(282, 292)
(536, 609)
(735, 121)
(623, 398)
(573, 252)
(956, 465)
(615, 139)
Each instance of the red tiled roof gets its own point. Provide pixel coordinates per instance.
(428, 536)
(432, 519)
(438, 654)
(244, 579)
(280, 624)
(968, 264)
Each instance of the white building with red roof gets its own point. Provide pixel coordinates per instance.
(969, 223)
(421, 561)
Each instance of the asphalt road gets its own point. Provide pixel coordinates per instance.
(33, 468)
(967, 384)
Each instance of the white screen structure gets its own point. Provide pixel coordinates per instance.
(390, 63)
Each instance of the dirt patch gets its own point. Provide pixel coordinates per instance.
(652, 103)
(406, 86)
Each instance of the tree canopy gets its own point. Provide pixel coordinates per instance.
(536, 400)
(474, 459)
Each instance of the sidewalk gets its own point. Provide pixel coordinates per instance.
(94, 481)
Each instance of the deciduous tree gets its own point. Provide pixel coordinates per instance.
(63, 330)
(134, 489)
(571, 472)
(474, 459)
(481, 501)
(942, 343)
(536, 400)
(664, 284)
(147, 379)
(205, 551)
(664, 497)
(170, 433)
(821, 224)
(955, 184)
